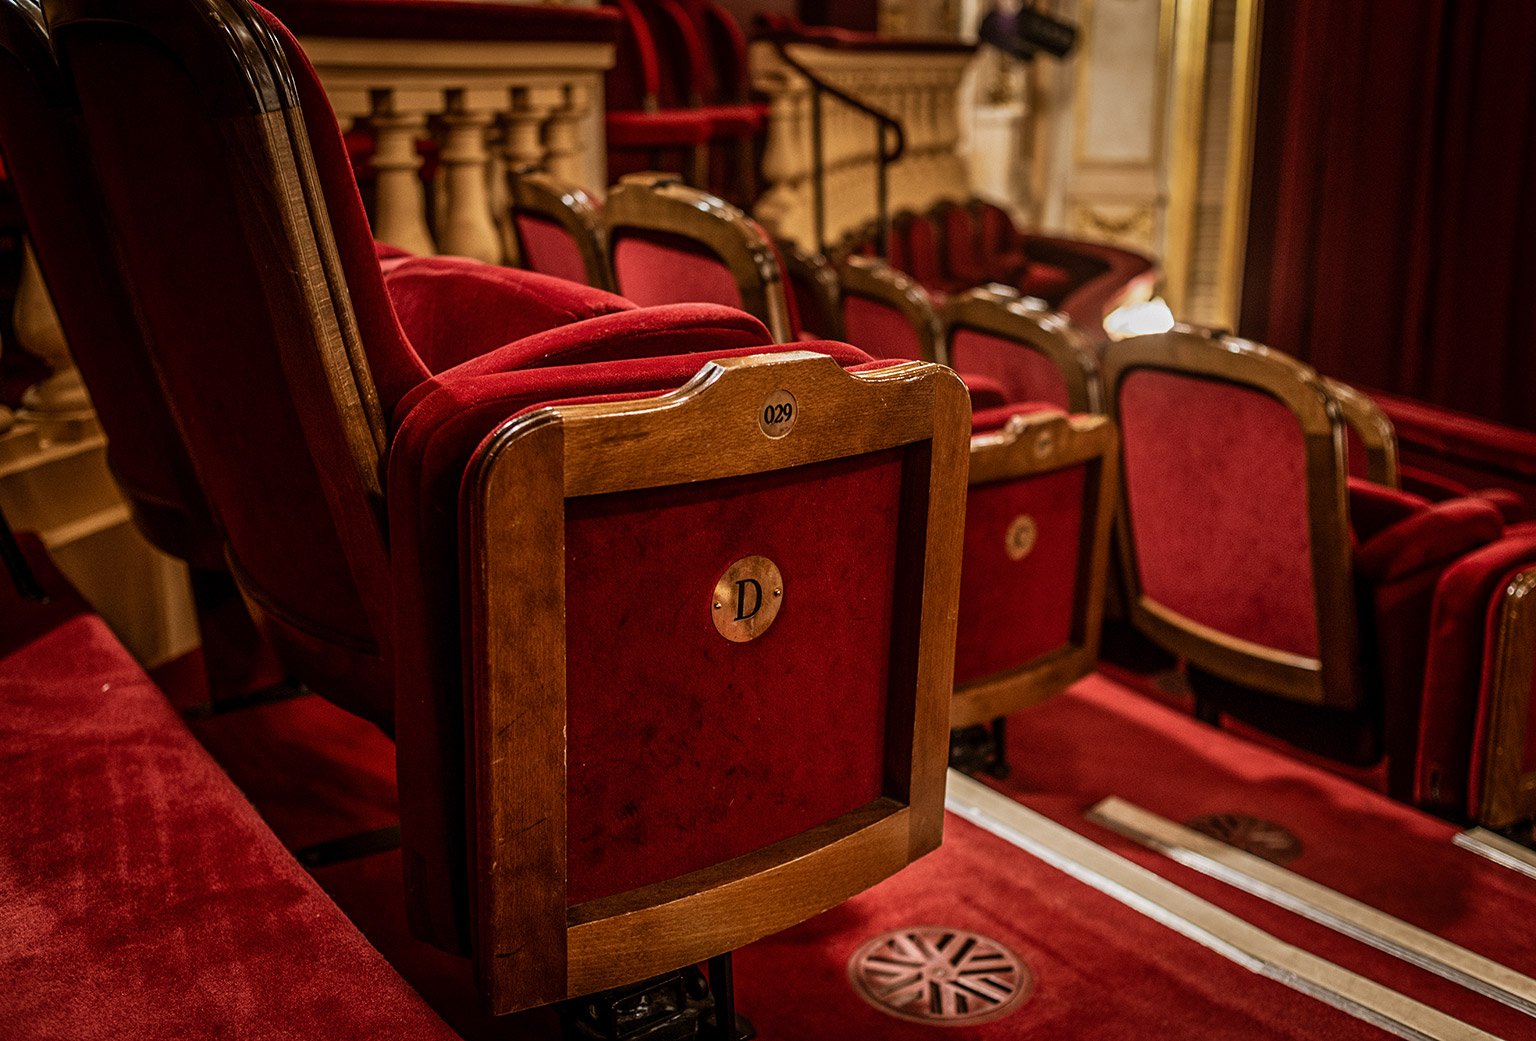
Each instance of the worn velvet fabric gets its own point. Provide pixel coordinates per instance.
(1025, 373)
(1215, 476)
(1455, 713)
(658, 268)
(140, 895)
(452, 309)
(545, 246)
(686, 749)
(878, 328)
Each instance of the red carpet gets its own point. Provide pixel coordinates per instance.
(1101, 970)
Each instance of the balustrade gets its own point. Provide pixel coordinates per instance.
(512, 84)
(916, 83)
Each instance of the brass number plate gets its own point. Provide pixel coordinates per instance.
(747, 599)
(777, 417)
(1021, 536)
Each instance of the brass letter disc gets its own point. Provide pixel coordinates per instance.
(747, 599)
(778, 413)
(1021, 537)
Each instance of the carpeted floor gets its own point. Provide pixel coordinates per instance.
(1101, 970)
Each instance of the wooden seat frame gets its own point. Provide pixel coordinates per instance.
(1509, 790)
(1373, 428)
(531, 948)
(661, 202)
(813, 270)
(1038, 444)
(1002, 311)
(1332, 678)
(537, 192)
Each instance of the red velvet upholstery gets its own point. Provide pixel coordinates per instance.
(654, 268)
(879, 328)
(545, 246)
(1217, 499)
(1026, 375)
(144, 897)
(1456, 709)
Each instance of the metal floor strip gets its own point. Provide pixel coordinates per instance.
(1498, 849)
(1200, 920)
(1318, 903)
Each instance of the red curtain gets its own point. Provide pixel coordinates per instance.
(1392, 222)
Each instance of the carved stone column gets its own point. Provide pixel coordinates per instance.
(400, 120)
(468, 228)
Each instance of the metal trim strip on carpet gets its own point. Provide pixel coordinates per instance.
(1199, 920)
(1497, 848)
(1318, 903)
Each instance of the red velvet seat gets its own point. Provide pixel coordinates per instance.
(148, 900)
(1036, 354)
(418, 529)
(1300, 598)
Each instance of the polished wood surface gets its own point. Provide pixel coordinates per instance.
(1509, 790)
(529, 948)
(1371, 425)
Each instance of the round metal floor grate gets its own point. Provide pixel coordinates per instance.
(946, 977)
(1260, 837)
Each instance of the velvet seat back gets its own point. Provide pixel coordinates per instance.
(45, 167)
(1216, 480)
(654, 267)
(1026, 375)
(246, 313)
(877, 327)
(548, 248)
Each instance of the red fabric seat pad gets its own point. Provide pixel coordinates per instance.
(1013, 611)
(433, 446)
(672, 127)
(875, 326)
(1455, 713)
(653, 267)
(1215, 476)
(454, 309)
(685, 749)
(546, 246)
(143, 896)
(1026, 373)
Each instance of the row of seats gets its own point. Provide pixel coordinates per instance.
(1315, 599)
(552, 541)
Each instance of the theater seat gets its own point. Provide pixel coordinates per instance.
(812, 283)
(143, 897)
(1300, 599)
(887, 311)
(496, 556)
(670, 243)
(1036, 353)
(557, 229)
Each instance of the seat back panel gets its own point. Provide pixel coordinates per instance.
(548, 248)
(686, 749)
(1026, 374)
(1217, 484)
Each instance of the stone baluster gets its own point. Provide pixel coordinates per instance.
(61, 395)
(399, 120)
(468, 228)
(562, 144)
